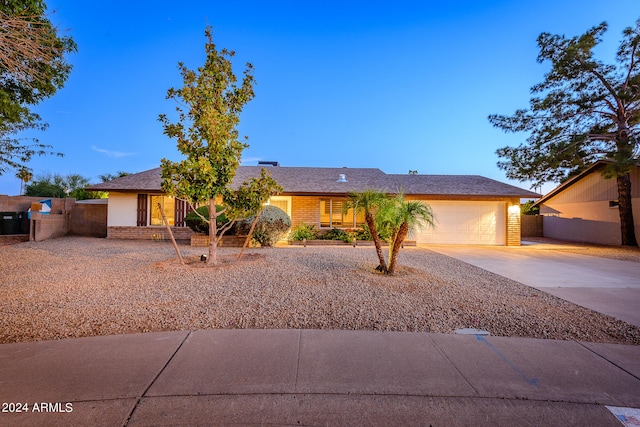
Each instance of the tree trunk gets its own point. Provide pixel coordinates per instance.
(376, 241)
(212, 259)
(173, 240)
(627, 227)
(246, 241)
(397, 245)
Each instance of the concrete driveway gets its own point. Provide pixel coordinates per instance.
(605, 285)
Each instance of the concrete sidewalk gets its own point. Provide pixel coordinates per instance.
(313, 377)
(604, 285)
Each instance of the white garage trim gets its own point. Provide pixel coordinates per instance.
(466, 222)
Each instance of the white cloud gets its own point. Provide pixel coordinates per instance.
(112, 153)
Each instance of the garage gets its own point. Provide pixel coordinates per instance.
(466, 222)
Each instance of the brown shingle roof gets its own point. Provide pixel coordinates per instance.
(319, 181)
(455, 185)
(147, 181)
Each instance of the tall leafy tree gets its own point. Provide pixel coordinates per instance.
(583, 111)
(32, 68)
(109, 176)
(206, 133)
(47, 186)
(56, 185)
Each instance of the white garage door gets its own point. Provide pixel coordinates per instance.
(479, 223)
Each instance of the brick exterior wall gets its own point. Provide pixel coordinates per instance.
(305, 209)
(148, 233)
(200, 240)
(513, 223)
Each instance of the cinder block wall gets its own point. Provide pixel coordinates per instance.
(88, 220)
(66, 217)
(48, 226)
(23, 203)
(531, 226)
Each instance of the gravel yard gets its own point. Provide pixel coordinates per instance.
(74, 287)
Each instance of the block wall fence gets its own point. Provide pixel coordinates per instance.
(67, 217)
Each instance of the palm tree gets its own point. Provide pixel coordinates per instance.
(370, 201)
(400, 216)
(24, 175)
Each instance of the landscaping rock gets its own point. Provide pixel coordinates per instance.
(76, 286)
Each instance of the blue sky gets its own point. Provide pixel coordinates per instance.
(394, 85)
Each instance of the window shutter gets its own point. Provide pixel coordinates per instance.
(142, 211)
(180, 212)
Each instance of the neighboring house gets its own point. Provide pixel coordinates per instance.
(585, 208)
(468, 208)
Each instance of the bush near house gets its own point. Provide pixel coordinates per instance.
(303, 231)
(338, 234)
(198, 225)
(273, 223)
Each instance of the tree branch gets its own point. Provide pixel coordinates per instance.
(631, 65)
(24, 40)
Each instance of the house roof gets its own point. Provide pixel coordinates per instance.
(324, 181)
(597, 166)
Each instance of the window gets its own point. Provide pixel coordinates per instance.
(332, 214)
(283, 202)
(168, 206)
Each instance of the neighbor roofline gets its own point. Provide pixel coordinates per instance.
(568, 183)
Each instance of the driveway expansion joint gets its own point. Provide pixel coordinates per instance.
(455, 367)
(610, 361)
(139, 398)
(295, 384)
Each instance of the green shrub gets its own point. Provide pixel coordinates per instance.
(303, 231)
(338, 234)
(363, 233)
(195, 223)
(273, 223)
(528, 208)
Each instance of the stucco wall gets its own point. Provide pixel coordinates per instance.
(581, 212)
(593, 222)
(122, 209)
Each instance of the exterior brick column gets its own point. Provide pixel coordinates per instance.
(513, 223)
